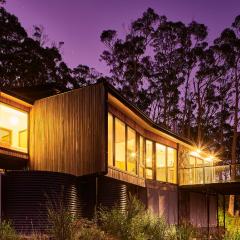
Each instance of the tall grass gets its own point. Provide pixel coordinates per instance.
(7, 232)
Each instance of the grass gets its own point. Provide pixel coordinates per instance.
(136, 223)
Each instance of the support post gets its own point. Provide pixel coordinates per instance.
(0, 197)
(224, 210)
(208, 213)
(217, 211)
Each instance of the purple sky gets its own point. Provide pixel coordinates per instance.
(79, 23)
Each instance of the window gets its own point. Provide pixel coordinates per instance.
(131, 151)
(141, 157)
(149, 159)
(161, 162)
(13, 128)
(172, 165)
(110, 139)
(120, 144)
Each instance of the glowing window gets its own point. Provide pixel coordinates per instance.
(161, 162)
(110, 139)
(149, 159)
(141, 157)
(131, 151)
(120, 144)
(13, 128)
(172, 165)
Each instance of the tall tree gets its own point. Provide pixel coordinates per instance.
(127, 59)
(229, 44)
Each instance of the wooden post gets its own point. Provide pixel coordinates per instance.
(208, 212)
(224, 210)
(217, 213)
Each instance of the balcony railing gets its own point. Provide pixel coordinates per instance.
(209, 174)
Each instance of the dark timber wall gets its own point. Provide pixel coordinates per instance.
(200, 209)
(67, 132)
(162, 200)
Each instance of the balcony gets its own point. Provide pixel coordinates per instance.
(209, 175)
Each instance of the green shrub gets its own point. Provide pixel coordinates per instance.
(89, 230)
(127, 225)
(135, 223)
(62, 222)
(185, 231)
(7, 232)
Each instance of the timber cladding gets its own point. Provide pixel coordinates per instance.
(67, 132)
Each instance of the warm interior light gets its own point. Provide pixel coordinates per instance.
(14, 120)
(133, 154)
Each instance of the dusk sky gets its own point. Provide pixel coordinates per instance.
(79, 23)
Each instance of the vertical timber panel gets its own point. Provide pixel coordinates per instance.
(67, 132)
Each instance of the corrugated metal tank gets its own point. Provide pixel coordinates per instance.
(27, 195)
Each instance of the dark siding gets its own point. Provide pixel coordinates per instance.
(67, 132)
(27, 194)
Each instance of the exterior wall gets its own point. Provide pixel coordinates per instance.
(162, 200)
(68, 132)
(198, 208)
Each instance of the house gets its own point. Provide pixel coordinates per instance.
(90, 147)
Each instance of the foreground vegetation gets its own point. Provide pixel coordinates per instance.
(134, 224)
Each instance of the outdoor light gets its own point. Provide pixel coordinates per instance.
(198, 150)
(209, 158)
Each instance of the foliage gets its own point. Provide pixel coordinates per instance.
(89, 230)
(139, 224)
(62, 222)
(7, 232)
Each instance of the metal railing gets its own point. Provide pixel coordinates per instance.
(209, 174)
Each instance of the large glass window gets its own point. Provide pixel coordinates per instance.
(161, 162)
(141, 156)
(131, 151)
(172, 165)
(13, 128)
(149, 159)
(120, 144)
(110, 139)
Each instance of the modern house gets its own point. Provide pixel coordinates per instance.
(90, 147)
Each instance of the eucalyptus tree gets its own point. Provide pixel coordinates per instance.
(23, 59)
(228, 45)
(127, 58)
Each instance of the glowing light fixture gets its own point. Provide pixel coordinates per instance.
(14, 120)
(210, 158)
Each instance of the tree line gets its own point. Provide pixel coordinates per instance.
(168, 69)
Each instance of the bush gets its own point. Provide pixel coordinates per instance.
(88, 230)
(62, 222)
(134, 224)
(185, 231)
(7, 232)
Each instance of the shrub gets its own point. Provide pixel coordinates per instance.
(88, 230)
(127, 225)
(134, 224)
(7, 232)
(62, 222)
(185, 231)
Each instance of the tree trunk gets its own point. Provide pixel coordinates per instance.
(234, 145)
